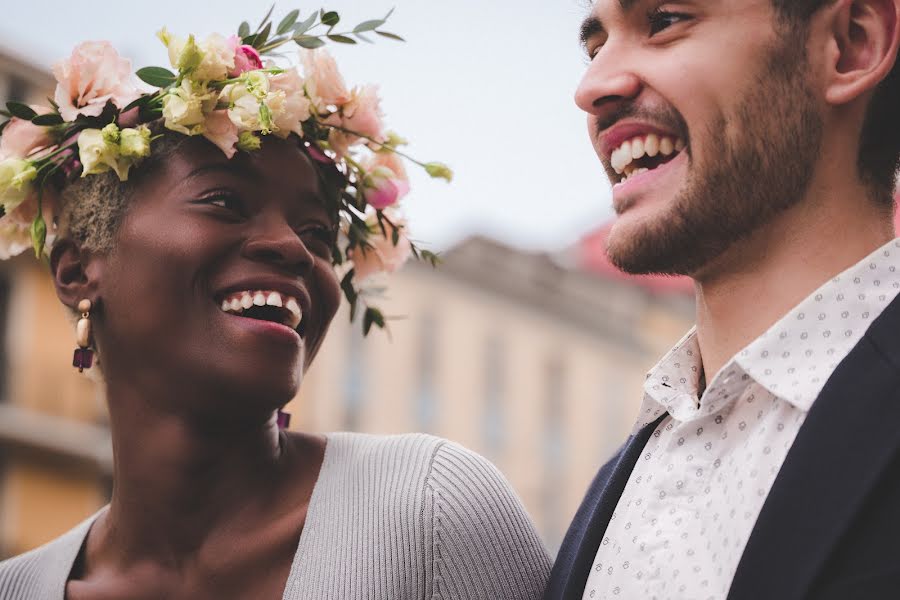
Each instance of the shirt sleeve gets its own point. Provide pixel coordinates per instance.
(483, 543)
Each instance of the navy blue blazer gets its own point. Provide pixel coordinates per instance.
(830, 526)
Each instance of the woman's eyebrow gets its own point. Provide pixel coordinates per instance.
(235, 169)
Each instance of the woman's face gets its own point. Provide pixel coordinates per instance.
(204, 236)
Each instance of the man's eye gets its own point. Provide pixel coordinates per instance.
(661, 20)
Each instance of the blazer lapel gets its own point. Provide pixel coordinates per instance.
(849, 437)
(573, 564)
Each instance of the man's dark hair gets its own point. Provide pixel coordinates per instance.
(879, 151)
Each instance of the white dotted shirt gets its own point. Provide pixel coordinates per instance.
(693, 497)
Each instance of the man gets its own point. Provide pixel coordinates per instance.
(753, 145)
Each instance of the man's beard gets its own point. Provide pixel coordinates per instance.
(742, 184)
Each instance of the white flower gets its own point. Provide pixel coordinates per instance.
(14, 239)
(135, 143)
(217, 60)
(185, 107)
(15, 175)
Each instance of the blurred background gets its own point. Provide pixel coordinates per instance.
(526, 345)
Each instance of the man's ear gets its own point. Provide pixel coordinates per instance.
(75, 273)
(864, 36)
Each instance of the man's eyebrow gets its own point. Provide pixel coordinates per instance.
(592, 25)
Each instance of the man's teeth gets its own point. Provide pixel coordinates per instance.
(640, 146)
(238, 302)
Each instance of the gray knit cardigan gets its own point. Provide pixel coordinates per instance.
(391, 518)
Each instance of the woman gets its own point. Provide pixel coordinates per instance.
(205, 281)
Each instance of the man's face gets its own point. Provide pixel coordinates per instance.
(703, 119)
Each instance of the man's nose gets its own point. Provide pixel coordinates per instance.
(608, 82)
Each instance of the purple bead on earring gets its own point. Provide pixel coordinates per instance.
(284, 419)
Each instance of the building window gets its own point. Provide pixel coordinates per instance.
(553, 451)
(426, 396)
(494, 387)
(16, 89)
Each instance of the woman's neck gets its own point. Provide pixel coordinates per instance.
(181, 483)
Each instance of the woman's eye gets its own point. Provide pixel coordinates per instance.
(226, 201)
(661, 20)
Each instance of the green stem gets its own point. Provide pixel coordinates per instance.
(374, 141)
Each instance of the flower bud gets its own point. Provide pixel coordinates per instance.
(439, 170)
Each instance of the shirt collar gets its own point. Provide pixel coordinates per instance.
(793, 359)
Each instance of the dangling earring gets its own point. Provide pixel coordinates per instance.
(84, 356)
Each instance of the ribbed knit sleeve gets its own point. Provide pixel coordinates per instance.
(41, 574)
(484, 544)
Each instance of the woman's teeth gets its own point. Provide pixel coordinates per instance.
(238, 302)
(623, 159)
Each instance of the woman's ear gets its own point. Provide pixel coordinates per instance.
(75, 272)
(864, 38)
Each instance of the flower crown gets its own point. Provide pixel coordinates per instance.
(231, 92)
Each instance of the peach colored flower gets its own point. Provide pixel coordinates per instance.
(22, 139)
(291, 107)
(383, 256)
(94, 75)
(362, 113)
(324, 82)
(221, 131)
(14, 239)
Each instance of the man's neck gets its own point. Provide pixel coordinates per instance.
(761, 278)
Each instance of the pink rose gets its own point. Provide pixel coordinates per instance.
(246, 58)
(362, 114)
(289, 105)
(385, 182)
(21, 139)
(324, 82)
(221, 131)
(382, 257)
(94, 75)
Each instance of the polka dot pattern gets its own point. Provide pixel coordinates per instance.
(691, 502)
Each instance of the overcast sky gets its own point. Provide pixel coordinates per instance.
(483, 85)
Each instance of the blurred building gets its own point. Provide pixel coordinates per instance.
(534, 360)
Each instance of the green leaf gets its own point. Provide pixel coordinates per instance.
(390, 12)
(260, 40)
(392, 36)
(265, 18)
(244, 29)
(368, 25)
(431, 257)
(309, 41)
(287, 22)
(331, 18)
(142, 100)
(341, 39)
(363, 38)
(3, 126)
(38, 234)
(47, 120)
(156, 76)
(372, 316)
(303, 27)
(22, 111)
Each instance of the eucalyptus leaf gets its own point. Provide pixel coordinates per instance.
(309, 41)
(6, 114)
(301, 28)
(47, 120)
(262, 36)
(287, 22)
(244, 29)
(156, 76)
(341, 39)
(363, 38)
(390, 12)
(368, 25)
(265, 18)
(392, 36)
(331, 18)
(22, 111)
